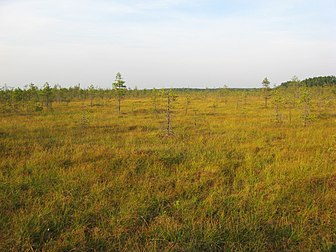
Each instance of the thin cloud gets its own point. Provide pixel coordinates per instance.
(167, 42)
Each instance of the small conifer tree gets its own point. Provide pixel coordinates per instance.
(171, 97)
(266, 89)
(120, 89)
(305, 101)
(278, 100)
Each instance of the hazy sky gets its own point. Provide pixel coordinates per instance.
(165, 43)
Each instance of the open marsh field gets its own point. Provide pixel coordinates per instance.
(231, 177)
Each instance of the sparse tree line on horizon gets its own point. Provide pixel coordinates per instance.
(318, 93)
(289, 95)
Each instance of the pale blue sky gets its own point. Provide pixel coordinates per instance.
(165, 43)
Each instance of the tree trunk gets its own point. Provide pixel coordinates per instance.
(305, 115)
(290, 115)
(119, 105)
(169, 129)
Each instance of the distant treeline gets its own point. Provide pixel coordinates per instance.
(311, 82)
(57, 93)
(34, 98)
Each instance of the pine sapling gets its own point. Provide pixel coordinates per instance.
(305, 101)
(91, 91)
(155, 99)
(187, 104)
(266, 90)
(278, 100)
(171, 97)
(119, 88)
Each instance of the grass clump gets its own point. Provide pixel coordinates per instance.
(229, 178)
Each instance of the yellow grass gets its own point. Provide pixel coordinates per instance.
(82, 178)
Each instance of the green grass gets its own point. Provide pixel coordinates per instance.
(229, 179)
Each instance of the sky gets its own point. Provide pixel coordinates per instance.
(165, 43)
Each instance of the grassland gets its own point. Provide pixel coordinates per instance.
(83, 178)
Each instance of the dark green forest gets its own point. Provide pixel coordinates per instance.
(311, 82)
